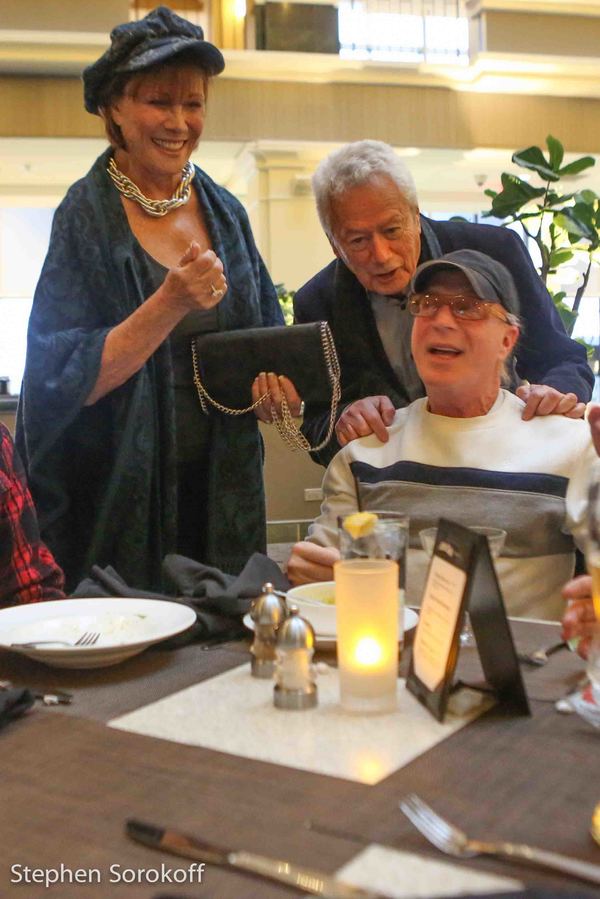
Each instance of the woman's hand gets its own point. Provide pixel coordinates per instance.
(197, 282)
(276, 386)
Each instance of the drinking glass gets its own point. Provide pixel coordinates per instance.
(366, 604)
(388, 540)
(495, 538)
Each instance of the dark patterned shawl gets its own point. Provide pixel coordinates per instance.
(103, 476)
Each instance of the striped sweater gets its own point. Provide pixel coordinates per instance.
(529, 478)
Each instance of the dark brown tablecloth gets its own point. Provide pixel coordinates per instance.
(68, 783)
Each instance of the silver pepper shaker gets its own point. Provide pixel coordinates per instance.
(268, 612)
(295, 687)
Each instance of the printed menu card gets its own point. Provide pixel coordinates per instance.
(462, 578)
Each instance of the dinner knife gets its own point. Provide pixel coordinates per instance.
(305, 879)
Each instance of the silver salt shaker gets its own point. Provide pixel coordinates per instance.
(268, 612)
(294, 684)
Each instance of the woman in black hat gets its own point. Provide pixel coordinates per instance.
(145, 251)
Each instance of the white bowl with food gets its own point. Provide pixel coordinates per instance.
(316, 603)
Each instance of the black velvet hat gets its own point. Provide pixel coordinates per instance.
(135, 46)
(489, 278)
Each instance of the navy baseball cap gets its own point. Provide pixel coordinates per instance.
(489, 278)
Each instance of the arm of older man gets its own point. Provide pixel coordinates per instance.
(374, 414)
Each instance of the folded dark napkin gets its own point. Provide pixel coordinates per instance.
(14, 703)
(220, 600)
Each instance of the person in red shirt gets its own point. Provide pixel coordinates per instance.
(28, 572)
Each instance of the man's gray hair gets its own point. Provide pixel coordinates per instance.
(355, 164)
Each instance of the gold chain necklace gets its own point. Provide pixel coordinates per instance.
(156, 208)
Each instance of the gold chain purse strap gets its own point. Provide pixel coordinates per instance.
(285, 423)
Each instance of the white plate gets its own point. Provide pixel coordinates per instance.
(126, 627)
(410, 622)
(316, 602)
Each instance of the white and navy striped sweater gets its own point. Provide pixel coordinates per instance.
(529, 478)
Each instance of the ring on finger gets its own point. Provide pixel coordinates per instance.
(216, 293)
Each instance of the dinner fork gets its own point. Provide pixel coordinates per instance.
(540, 656)
(89, 638)
(455, 842)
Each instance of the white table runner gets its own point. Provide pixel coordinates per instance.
(234, 713)
(404, 875)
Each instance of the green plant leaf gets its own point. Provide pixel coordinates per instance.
(558, 257)
(567, 315)
(533, 159)
(515, 194)
(554, 199)
(588, 347)
(556, 151)
(575, 224)
(586, 196)
(563, 225)
(286, 301)
(579, 165)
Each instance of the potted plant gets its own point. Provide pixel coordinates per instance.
(562, 224)
(286, 301)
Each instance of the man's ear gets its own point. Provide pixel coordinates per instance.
(333, 246)
(511, 335)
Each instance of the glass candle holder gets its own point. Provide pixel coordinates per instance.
(366, 602)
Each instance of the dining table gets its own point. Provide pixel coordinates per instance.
(72, 776)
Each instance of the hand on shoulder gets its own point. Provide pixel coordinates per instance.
(371, 415)
(541, 399)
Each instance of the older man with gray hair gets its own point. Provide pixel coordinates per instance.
(367, 204)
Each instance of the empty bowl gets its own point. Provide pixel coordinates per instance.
(495, 538)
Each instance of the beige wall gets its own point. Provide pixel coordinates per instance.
(285, 225)
(63, 15)
(8, 419)
(287, 474)
(254, 110)
(531, 33)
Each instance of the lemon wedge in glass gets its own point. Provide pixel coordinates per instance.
(360, 524)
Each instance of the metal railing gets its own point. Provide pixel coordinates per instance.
(433, 31)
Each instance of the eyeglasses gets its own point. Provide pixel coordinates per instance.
(463, 308)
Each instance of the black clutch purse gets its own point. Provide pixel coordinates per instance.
(226, 364)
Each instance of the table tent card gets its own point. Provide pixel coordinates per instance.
(462, 579)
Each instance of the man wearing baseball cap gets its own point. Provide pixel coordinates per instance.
(464, 452)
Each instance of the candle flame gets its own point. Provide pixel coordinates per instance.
(368, 652)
